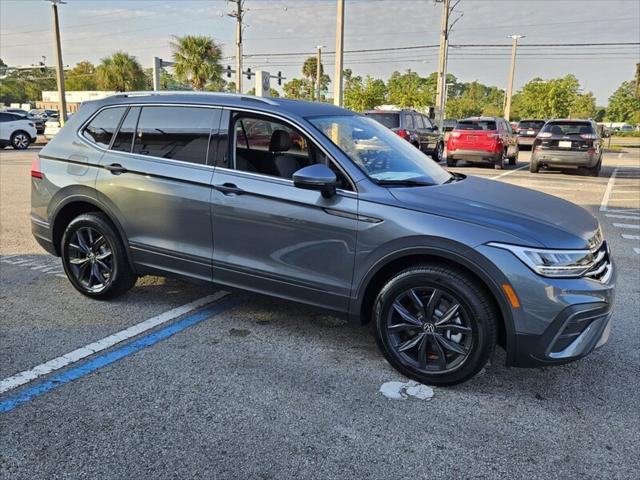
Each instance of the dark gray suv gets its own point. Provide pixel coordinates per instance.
(313, 203)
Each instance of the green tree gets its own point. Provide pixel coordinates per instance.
(197, 60)
(624, 106)
(554, 98)
(362, 95)
(81, 77)
(120, 72)
(310, 72)
(584, 106)
(297, 89)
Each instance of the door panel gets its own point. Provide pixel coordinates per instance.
(281, 240)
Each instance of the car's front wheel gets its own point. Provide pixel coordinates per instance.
(94, 257)
(20, 140)
(435, 324)
(439, 152)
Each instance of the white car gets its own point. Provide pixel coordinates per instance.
(51, 128)
(17, 131)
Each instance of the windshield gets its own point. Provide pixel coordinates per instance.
(568, 128)
(530, 124)
(476, 125)
(389, 120)
(379, 152)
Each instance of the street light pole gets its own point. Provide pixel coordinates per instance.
(512, 71)
(238, 14)
(318, 72)
(337, 74)
(62, 101)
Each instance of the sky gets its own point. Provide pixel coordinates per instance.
(93, 29)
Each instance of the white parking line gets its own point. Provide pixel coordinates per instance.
(509, 172)
(627, 225)
(630, 237)
(607, 192)
(637, 250)
(107, 342)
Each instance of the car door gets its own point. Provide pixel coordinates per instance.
(5, 118)
(431, 133)
(157, 181)
(270, 236)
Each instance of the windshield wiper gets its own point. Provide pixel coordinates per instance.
(406, 182)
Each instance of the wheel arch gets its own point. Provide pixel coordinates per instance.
(76, 205)
(469, 261)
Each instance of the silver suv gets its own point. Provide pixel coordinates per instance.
(313, 203)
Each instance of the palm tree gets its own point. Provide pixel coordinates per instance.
(197, 60)
(310, 71)
(120, 72)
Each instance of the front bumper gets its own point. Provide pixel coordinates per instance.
(565, 158)
(559, 319)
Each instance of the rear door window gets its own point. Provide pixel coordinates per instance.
(408, 122)
(124, 137)
(100, 130)
(176, 133)
(418, 121)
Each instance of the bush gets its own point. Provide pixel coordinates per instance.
(625, 134)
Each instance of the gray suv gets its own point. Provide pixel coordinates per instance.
(313, 203)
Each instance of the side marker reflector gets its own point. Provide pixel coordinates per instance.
(511, 295)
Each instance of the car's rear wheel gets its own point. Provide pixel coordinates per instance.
(94, 257)
(451, 162)
(513, 159)
(435, 324)
(499, 164)
(20, 140)
(534, 167)
(438, 153)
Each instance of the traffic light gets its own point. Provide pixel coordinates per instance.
(249, 73)
(42, 67)
(279, 78)
(228, 71)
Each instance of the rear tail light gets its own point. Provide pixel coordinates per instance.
(545, 134)
(589, 136)
(403, 133)
(35, 168)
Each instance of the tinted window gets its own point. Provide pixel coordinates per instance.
(476, 125)
(408, 122)
(568, 128)
(177, 133)
(418, 121)
(5, 117)
(537, 124)
(427, 122)
(124, 138)
(103, 126)
(389, 120)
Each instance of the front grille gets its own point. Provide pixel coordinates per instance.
(601, 269)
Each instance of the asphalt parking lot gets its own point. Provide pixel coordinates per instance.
(258, 388)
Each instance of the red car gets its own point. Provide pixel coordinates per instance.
(482, 140)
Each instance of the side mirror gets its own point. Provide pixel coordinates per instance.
(316, 177)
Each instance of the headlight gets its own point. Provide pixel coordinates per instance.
(552, 263)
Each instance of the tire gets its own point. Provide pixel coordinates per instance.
(595, 171)
(427, 351)
(438, 152)
(513, 160)
(534, 167)
(20, 140)
(94, 258)
(451, 162)
(499, 165)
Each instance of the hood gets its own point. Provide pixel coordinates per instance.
(537, 218)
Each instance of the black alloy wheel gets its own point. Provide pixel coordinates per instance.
(435, 324)
(94, 258)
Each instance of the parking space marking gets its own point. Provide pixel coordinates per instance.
(113, 356)
(637, 250)
(626, 217)
(49, 265)
(57, 363)
(630, 237)
(607, 193)
(509, 172)
(627, 225)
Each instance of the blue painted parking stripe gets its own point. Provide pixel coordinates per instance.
(108, 358)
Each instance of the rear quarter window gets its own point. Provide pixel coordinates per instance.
(100, 130)
(389, 120)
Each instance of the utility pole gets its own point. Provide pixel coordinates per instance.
(238, 15)
(512, 71)
(337, 74)
(318, 72)
(442, 64)
(62, 101)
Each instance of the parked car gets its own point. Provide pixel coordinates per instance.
(626, 128)
(527, 130)
(482, 140)
(16, 130)
(449, 124)
(413, 126)
(445, 266)
(568, 144)
(37, 120)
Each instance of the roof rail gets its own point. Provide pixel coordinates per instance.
(239, 96)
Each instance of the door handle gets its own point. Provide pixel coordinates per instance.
(116, 168)
(229, 189)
